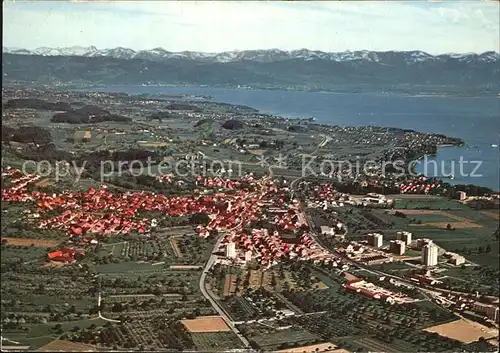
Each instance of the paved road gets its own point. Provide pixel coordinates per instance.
(208, 296)
(99, 313)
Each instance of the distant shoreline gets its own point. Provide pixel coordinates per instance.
(343, 89)
(277, 115)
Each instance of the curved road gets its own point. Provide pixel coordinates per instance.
(207, 294)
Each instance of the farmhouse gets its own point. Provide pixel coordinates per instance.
(64, 255)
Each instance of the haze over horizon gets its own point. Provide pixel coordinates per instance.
(432, 27)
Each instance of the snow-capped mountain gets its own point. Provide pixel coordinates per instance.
(263, 56)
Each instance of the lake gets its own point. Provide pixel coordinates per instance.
(476, 120)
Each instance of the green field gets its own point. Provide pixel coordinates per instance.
(270, 339)
(25, 253)
(429, 202)
(216, 341)
(428, 218)
(38, 335)
(471, 241)
(463, 241)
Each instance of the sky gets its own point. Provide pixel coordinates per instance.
(215, 26)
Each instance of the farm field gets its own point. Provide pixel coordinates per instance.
(375, 345)
(137, 250)
(35, 298)
(206, 324)
(492, 214)
(216, 341)
(39, 335)
(426, 202)
(439, 219)
(320, 347)
(279, 278)
(239, 308)
(30, 242)
(483, 279)
(67, 346)
(271, 339)
(14, 253)
(187, 250)
(142, 335)
(166, 281)
(463, 330)
(144, 290)
(472, 230)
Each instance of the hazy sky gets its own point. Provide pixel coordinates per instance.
(434, 27)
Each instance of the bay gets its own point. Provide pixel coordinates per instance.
(476, 120)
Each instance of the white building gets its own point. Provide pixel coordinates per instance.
(248, 256)
(457, 260)
(325, 230)
(404, 236)
(422, 242)
(231, 250)
(375, 239)
(397, 247)
(462, 195)
(430, 255)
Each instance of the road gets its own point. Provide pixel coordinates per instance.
(276, 318)
(211, 261)
(206, 293)
(99, 312)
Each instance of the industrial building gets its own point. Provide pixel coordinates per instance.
(397, 247)
(430, 255)
(490, 311)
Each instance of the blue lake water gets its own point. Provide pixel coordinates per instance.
(474, 119)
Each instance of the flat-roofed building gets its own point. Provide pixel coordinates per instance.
(430, 255)
(397, 247)
(404, 236)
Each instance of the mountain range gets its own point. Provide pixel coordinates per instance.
(298, 69)
(270, 55)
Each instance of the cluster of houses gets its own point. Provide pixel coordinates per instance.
(268, 248)
(102, 212)
(68, 255)
(18, 180)
(217, 182)
(420, 185)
